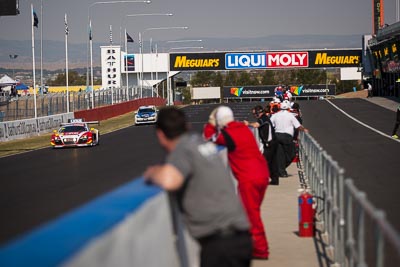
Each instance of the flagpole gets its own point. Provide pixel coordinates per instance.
(33, 61)
(151, 65)
(156, 68)
(141, 59)
(41, 46)
(66, 59)
(126, 62)
(91, 61)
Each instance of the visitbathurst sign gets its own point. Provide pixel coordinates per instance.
(333, 58)
(268, 91)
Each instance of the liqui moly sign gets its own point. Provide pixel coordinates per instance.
(245, 61)
(287, 59)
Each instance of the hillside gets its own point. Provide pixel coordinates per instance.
(54, 51)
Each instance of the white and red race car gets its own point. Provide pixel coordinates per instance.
(75, 133)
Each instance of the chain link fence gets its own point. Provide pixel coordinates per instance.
(23, 107)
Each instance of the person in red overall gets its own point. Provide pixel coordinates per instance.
(248, 166)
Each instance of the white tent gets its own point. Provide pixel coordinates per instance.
(6, 81)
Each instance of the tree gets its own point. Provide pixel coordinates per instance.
(231, 78)
(268, 78)
(73, 79)
(244, 79)
(202, 78)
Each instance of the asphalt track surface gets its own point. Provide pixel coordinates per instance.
(39, 186)
(370, 159)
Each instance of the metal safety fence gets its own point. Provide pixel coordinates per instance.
(23, 107)
(355, 233)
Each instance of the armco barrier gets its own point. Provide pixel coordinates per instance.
(106, 112)
(131, 226)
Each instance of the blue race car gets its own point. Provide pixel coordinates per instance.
(146, 115)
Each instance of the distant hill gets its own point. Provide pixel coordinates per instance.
(54, 51)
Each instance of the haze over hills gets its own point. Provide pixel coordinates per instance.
(54, 51)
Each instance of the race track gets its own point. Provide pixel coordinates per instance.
(39, 186)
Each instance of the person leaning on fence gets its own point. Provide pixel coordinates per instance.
(396, 124)
(285, 124)
(197, 176)
(248, 166)
(266, 133)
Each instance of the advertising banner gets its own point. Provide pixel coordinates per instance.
(378, 15)
(268, 91)
(335, 58)
(129, 62)
(266, 60)
(277, 60)
(249, 91)
(245, 61)
(313, 90)
(197, 61)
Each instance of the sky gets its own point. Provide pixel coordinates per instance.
(204, 18)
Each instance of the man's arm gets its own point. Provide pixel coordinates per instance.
(252, 124)
(166, 176)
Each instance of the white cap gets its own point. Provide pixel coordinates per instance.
(224, 116)
(277, 100)
(285, 104)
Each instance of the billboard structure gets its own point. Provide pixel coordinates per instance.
(327, 58)
(378, 15)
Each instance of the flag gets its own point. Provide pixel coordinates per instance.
(90, 30)
(129, 39)
(35, 19)
(66, 25)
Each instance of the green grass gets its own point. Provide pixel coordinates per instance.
(32, 143)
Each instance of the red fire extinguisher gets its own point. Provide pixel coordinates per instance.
(306, 215)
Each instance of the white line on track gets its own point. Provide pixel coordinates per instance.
(363, 124)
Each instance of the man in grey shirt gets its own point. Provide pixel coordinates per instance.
(195, 173)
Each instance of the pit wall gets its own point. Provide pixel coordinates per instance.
(106, 112)
(134, 225)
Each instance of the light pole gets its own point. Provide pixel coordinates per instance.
(141, 51)
(184, 41)
(126, 42)
(186, 47)
(123, 20)
(90, 44)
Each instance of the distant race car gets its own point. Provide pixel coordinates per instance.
(75, 133)
(146, 114)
